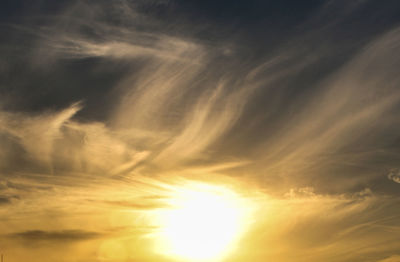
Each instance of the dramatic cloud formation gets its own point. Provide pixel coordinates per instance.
(107, 109)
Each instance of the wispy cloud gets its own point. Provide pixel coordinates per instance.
(302, 129)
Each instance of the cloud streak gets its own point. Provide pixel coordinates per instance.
(66, 235)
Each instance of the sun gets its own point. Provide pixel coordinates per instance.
(203, 223)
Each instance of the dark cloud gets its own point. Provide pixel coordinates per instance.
(4, 200)
(65, 235)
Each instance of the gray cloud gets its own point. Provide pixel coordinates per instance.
(4, 200)
(65, 235)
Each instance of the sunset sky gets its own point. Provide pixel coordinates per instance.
(200, 131)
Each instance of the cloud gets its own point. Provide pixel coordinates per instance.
(394, 258)
(137, 36)
(306, 126)
(394, 175)
(165, 48)
(4, 200)
(138, 204)
(176, 97)
(36, 134)
(65, 235)
(317, 227)
(304, 192)
(52, 143)
(324, 135)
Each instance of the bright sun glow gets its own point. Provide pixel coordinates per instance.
(203, 224)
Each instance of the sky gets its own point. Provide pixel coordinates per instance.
(117, 117)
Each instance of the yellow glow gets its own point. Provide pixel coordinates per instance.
(203, 224)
